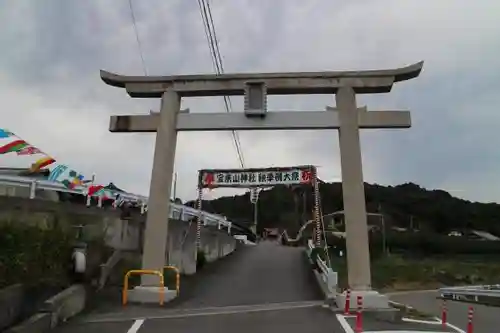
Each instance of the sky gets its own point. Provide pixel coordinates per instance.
(51, 94)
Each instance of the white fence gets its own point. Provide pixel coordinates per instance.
(179, 212)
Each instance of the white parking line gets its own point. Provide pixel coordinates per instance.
(419, 321)
(135, 326)
(212, 311)
(348, 329)
(345, 325)
(455, 328)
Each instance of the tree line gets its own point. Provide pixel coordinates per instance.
(407, 206)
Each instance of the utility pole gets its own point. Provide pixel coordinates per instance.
(255, 215)
(174, 187)
(254, 199)
(384, 240)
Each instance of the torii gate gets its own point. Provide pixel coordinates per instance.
(346, 117)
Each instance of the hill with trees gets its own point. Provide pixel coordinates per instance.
(409, 250)
(406, 206)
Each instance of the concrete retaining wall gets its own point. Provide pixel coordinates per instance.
(181, 249)
(119, 234)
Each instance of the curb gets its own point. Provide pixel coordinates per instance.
(54, 311)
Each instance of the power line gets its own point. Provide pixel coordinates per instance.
(137, 38)
(227, 100)
(213, 44)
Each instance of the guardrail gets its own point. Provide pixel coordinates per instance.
(299, 233)
(177, 211)
(328, 278)
(471, 291)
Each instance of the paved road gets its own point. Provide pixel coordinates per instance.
(486, 319)
(263, 288)
(266, 273)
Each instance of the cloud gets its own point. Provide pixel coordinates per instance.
(52, 96)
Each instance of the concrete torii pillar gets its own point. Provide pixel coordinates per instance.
(155, 242)
(255, 87)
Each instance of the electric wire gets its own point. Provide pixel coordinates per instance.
(137, 38)
(213, 44)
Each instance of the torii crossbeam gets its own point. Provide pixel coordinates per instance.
(346, 117)
(282, 120)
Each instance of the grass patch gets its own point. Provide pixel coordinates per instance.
(395, 273)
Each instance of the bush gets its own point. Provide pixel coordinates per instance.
(434, 244)
(397, 273)
(422, 245)
(31, 255)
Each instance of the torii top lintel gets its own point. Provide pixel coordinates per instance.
(363, 82)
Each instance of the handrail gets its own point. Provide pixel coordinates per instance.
(27, 182)
(177, 278)
(299, 233)
(142, 272)
(328, 276)
(322, 264)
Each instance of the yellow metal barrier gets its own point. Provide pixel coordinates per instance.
(143, 272)
(177, 278)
